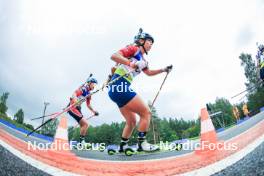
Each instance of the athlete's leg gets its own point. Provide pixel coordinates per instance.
(84, 126)
(130, 122)
(77, 115)
(136, 105)
(130, 104)
(129, 127)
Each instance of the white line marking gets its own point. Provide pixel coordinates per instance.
(35, 163)
(166, 158)
(24, 134)
(228, 161)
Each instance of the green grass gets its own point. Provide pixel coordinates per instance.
(230, 126)
(8, 119)
(194, 138)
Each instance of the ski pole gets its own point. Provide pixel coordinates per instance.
(152, 104)
(249, 89)
(39, 127)
(79, 101)
(159, 90)
(243, 91)
(44, 116)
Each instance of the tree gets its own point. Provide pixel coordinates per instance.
(166, 132)
(154, 122)
(256, 101)
(29, 126)
(255, 95)
(223, 105)
(74, 133)
(50, 128)
(192, 131)
(250, 70)
(3, 106)
(19, 116)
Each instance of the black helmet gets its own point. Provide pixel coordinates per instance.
(91, 80)
(143, 35)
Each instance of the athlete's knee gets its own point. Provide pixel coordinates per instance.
(146, 113)
(131, 124)
(134, 122)
(84, 124)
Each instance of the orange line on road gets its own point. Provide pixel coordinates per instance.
(170, 166)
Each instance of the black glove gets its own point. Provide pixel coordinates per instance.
(96, 113)
(168, 68)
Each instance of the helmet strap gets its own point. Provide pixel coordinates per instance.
(142, 45)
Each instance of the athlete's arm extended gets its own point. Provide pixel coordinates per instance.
(153, 72)
(90, 108)
(88, 103)
(149, 72)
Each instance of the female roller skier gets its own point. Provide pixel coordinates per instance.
(131, 60)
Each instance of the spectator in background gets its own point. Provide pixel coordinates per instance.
(236, 113)
(245, 110)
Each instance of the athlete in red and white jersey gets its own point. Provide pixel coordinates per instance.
(82, 92)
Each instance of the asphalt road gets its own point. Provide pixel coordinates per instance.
(225, 135)
(251, 164)
(11, 165)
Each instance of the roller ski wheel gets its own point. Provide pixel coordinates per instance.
(111, 152)
(178, 147)
(129, 152)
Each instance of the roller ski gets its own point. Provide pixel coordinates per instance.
(142, 148)
(145, 148)
(113, 149)
(82, 146)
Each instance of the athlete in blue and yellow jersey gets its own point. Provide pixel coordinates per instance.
(131, 60)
